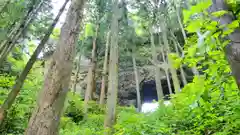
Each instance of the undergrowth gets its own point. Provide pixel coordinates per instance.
(209, 105)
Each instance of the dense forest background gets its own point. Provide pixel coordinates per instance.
(86, 67)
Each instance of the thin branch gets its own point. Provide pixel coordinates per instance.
(162, 65)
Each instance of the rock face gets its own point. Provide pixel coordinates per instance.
(127, 89)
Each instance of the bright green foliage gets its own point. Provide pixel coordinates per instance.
(72, 122)
(6, 81)
(176, 60)
(19, 113)
(55, 34)
(194, 111)
(210, 104)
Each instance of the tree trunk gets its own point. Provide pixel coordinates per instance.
(46, 117)
(137, 82)
(105, 70)
(19, 83)
(91, 85)
(157, 69)
(183, 76)
(7, 45)
(46, 66)
(173, 71)
(166, 70)
(77, 73)
(184, 80)
(232, 50)
(113, 69)
(194, 69)
(167, 74)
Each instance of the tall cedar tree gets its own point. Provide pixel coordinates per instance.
(19, 83)
(136, 80)
(157, 69)
(105, 71)
(113, 68)
(46, 117)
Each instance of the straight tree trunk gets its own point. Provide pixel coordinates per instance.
(176, 45)
(94, 61)
(110, 117)
(167, 74)
(184, 80)
(88, 93)
(91, 85)
(173, 71)
(19, 83)
(183, 76)
(7, 45)
(194, 69)
(77, 73)
(166, 70)
(105, 71)
(46, 117)
(157, 69)
(232, 50)
(137, 82)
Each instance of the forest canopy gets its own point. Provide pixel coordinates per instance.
(89, 67)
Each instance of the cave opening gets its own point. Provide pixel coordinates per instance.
(149, 94)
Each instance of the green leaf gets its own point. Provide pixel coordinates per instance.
(227, 32)
(177, 61)
(55, 34)
(194, 25)
(233, 25)
(187, 15)
(139, 31)
(214, 23)
(192, 51)
(219, 13)
(89, 30)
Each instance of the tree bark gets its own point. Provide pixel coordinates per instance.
(232, 50)
(166, 70)
(177, 46)
(19, 83)
(167, 74)
(91, 85)
(105, 71)
(137, 82)
(173, 71)
(7, 45)
(184, 80)
(113, 69)
(157, 69)
(46, 117)
(77, 73)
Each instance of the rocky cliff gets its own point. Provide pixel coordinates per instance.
(127, 88)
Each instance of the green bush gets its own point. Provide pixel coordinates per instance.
(209, 105)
